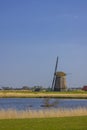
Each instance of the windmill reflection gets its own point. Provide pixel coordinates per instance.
(47, 102)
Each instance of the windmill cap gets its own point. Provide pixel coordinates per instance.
(60, 74)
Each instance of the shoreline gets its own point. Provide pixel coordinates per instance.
(43, 95)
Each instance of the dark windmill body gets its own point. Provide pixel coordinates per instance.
(59, 80)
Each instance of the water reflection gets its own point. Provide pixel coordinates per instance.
(47, 102)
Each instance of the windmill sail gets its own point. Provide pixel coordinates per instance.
(53, 82)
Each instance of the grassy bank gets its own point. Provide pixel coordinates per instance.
(62, 123)
(46, 113)
(72, 94)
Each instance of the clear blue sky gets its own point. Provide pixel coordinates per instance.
(34, 32)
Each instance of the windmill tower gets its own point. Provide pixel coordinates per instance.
(59, 80)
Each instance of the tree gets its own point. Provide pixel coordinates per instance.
(25, 88)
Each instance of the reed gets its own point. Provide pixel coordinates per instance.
(15, 114)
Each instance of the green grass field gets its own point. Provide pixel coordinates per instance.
(47, 92)
(28, 94)
(62, 123)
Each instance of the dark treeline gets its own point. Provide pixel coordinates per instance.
(34, 88)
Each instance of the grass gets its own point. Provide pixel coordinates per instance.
(46, 113)
(30, 91)
(27, 93)
(62, 123)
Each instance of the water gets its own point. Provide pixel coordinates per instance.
(40, 103)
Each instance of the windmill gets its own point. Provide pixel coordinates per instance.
(54, 77)
(59, 79)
